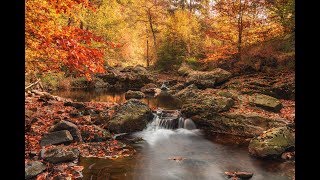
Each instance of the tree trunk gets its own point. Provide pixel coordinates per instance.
(81, 25)
(148, 61)
(152, 30)
(69, 21)
(240, 30)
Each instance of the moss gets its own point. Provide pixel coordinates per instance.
(272, 142)
(51, 81)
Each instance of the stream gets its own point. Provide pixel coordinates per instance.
(203, 156)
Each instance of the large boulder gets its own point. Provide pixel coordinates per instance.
(33, 168)
(131, 116)
(208, 79)
(60, 154)
(206, 105)
(272, 143)
(56, 137)
(134, 94)
(279, 85)
(72, 128)
(266, 102)
(126, 78)
(238, 123)
(203, 103)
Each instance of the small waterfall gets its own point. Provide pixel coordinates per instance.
(172, 119)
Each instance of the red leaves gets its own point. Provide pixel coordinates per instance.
(81, 51)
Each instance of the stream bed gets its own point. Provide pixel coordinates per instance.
(202, 156)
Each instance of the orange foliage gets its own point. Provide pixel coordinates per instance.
(51, 45)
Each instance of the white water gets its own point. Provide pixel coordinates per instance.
(202, 159)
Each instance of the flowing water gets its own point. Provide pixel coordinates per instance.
(169, 137)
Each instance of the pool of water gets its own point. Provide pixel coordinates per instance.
(116, 97)
(203, 157)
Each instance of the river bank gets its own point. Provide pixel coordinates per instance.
(248, 107)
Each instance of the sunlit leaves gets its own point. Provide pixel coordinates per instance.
(51, 44)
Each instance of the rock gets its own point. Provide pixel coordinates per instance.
(77, 105)
(288, 155)
(244, 175)
(186, 93)
(33, 168)
(99, 83)
(101, 119)
(169, 119)
(272, 143)
(72, 128)
(75, 113)
(204, 103)
(60, 154)
(285, 89)
(126, 78)
(184, 70)
(228, 94)
(189, 124)
(279, 85)
(240, 174)
(131, 116)
(208, 79)
(178, 87)
(266, 102)
(93, 133)
(56, 137)
(149, 88)
(238, 123)
(134, 94)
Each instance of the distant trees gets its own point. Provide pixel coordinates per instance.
(238, 23)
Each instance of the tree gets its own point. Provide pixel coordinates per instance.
(238, 23)
(283, 11)
(148, 14)
(52, 43)
(182, 39)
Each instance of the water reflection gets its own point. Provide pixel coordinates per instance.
(115, 97)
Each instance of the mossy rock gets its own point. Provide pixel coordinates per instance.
(272, 143)
(266, 102)
(130, 117)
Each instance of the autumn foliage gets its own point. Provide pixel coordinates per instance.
(52, 45)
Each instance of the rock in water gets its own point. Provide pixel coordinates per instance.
(131, 116)
(189, 124)
(240, 174)
(33, 168)
(266, 102)
(272, 142)
(72, 128)
(134, 94)
(56, 137)
(60, 154)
